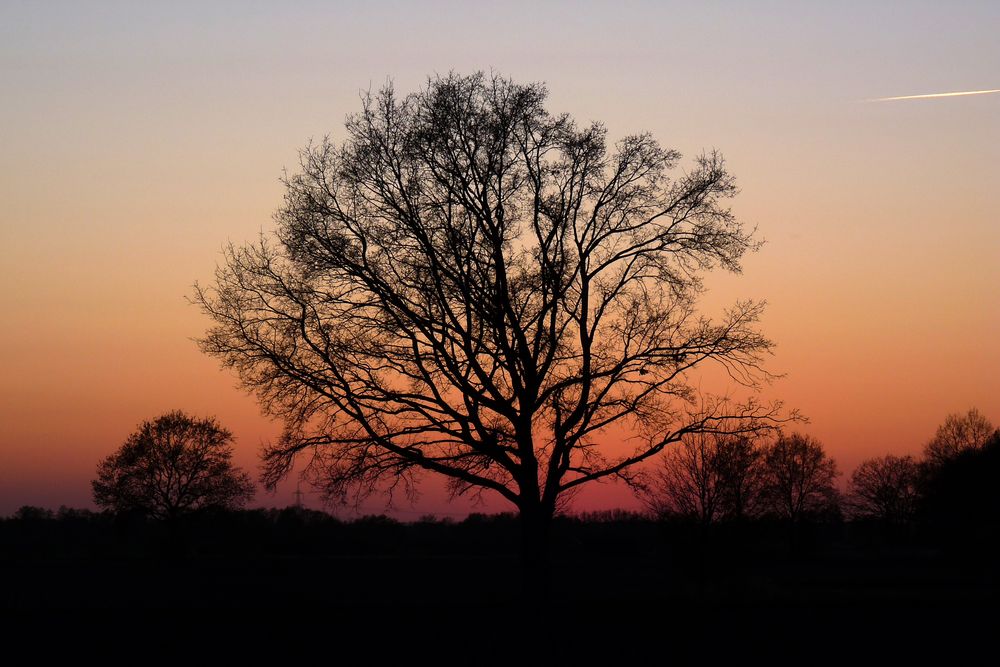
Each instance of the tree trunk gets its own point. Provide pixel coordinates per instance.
(535, 570)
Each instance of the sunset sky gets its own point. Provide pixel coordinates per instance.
(136, 141)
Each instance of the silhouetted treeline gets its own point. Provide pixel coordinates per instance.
(923, 532)
(289, 531)
(948, 502)
(945, 496)
(957, 509)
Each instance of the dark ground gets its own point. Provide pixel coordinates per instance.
(621, 586)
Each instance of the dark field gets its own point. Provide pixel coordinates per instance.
(758, 586)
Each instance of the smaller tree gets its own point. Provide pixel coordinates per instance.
(957, 434)
(799, 477)
(739, 462)
(885, 488)
(959, 498)
(172, 465)
(687, 482)
(708, 476)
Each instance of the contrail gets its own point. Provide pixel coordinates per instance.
(935, 95)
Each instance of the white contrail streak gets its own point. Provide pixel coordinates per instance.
(935, 95)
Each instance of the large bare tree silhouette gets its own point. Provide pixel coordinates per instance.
(472, 286)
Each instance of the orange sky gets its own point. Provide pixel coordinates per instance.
(136, 141)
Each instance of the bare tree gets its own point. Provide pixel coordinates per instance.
(957, 434)
(707, 476)
(687, 483)
(885, 488)
(740, 465)
(799, 477)
(171, 465)
(472, 286)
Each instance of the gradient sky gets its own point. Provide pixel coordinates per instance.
(135, 141)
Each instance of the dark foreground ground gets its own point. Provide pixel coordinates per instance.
(620, 586)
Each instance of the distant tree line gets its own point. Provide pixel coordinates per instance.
(718, 477)
(178, 467)
(717, 502)
(714, 477)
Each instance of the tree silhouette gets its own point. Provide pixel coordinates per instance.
(708, 476)
(688, 483)
(172, 465)
(799, 477)
(472, 286)
(957, 434)
(741, 469)
(959, 499)
(885, 488)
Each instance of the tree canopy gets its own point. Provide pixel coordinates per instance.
(709, 476)
(885, 488)
(173, 464)
(958, 433)
(799, 477)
